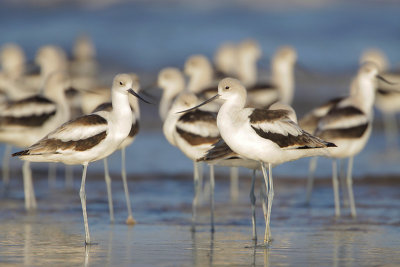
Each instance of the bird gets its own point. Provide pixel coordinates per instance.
(128, 140)
(193, 133)
(267, 136)
(225, 61)
(222, 155)
(200, 72)
(248, 53)
(347, 122)
(12, 61)
(88, 138)
(387, 98)
(202, 82)
(26, 121)
(172, 83)
(282, 84)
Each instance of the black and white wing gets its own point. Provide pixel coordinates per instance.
(343, 122)
(198, 127)
(276, 126)
(310, 121)
(80, 134)
(30, 112)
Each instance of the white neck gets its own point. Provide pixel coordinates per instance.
(247, 71)
(283, 77)
(57, 94)
(200, 80)
(231, 105)
(364, 95)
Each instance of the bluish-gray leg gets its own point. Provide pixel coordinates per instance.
(109, 191)
(82, 194)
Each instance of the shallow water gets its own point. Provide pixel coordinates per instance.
(302, 235)
(145, 37)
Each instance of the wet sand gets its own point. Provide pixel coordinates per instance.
(302, 235)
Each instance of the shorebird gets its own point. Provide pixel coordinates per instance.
(267, 136)
(387, 98)
(12, 61)
(348, 123)
(202, 83)
(222, 155)
(281, 86)
(248, 53)
(201, 74)
(88, 138)
(128, 140)
(193, 133)
(25, 121)
(172, 82)
(225, 60)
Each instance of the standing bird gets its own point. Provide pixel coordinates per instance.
(221, 154)
(267, 136)
(193, 133)
(133, 101)
(172, 82)
(24, 122)
(282, 84)
(225, 60)
(200, 72)
(88, 138)
(387, 98)
(12, 64)
(348, 124)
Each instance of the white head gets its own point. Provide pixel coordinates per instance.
(364, 86)
(184, 101)
(225, 58)
(171, 80)
(249, 49)
(285, 56)
(84, 48)
(230, 88)
(368, 71)
(51, 58)
(376, 56)
(249, 52)
(56, 84)
(123, 83)
(12, 59)
(197, 64)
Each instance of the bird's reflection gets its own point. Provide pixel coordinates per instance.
(87, 254)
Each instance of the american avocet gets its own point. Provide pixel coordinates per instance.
(193, 133)
(267, 136)
(12, 64)
(248, 53)
(13, 70)
(348, 124)
(387, 98)
(202, 83)
(200, 72)
(50, 58)
(225, 60)
(128, 140)
(221, 154)
(281, 86)
(172, 82)
(84, 61)
(88, 138)
(24, 122)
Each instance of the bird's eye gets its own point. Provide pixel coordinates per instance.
(120, 83)
(227, 87)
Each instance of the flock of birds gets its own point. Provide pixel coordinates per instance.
(224, 115)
